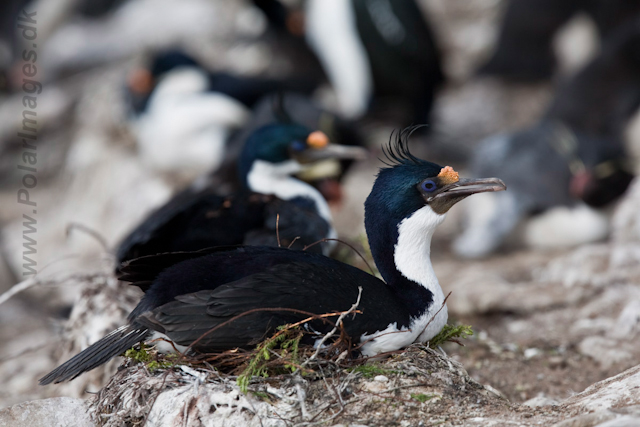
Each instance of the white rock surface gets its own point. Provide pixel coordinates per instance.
(539, 401)
(619, 391)
(606, 351)
(57, 411)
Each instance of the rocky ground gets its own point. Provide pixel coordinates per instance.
(419, 387)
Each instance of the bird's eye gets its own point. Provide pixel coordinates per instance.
(298, 146)
(428, 185)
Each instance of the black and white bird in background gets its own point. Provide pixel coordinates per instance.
(183, 114)
(525, 46)
(272, 207)
(376, 53)
(574, 157)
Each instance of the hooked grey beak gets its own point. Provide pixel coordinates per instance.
(333, 151)
(466, 187)
(451, 194)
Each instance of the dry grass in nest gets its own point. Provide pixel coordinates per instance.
(285, 352)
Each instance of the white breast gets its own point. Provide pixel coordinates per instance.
(276, 179)
(184, 129)
(164, 344)
(332, 34)
(412, 256)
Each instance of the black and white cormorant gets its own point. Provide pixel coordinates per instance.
(183, 114)
(376, 51)
(576, 153)
(187, 294)
(298, 108)
(247, 90)
(272, 203)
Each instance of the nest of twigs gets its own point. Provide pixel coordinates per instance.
(237, 375)
(284, 352)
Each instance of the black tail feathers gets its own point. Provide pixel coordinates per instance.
(112, 345)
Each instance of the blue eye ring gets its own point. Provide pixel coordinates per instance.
(298, 146)
(428, 185)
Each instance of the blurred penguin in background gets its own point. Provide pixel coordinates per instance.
(575, 155)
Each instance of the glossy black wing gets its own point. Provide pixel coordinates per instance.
(142, 271)
(154, 230)
(317, 287)
(407, 48)
(294, 221)
(193, 221)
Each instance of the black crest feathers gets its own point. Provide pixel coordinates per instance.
(397, 151)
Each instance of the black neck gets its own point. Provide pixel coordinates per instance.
(383, 237)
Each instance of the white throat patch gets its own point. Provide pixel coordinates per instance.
(412, 255)
(183, 80)
(276, 179)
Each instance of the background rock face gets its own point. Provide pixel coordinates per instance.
(57, 411)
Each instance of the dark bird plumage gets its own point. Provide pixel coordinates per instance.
(524, 50)
(299, 109)
(403, 54)
(188, 294)
(269, 205)
(247, 90)
(574, 154)
(377, 52)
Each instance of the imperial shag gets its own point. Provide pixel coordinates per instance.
(376, 51)
(291, 107)
(247, 90)
(187, 294)
(184, 114)
(197, 219)
(577, 151)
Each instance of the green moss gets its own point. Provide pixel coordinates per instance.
(151, 359)
(287, 340)
(421, 397)
(371, 370)
(450, 333)
(140, 355)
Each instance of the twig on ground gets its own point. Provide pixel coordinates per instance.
(19, 287)
(91, 232)
(301, 395)
(35, 281)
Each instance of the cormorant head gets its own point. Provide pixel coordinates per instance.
(410, 183)
(416, 193)
(142, 80)
(169, 60)
(289, 147)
